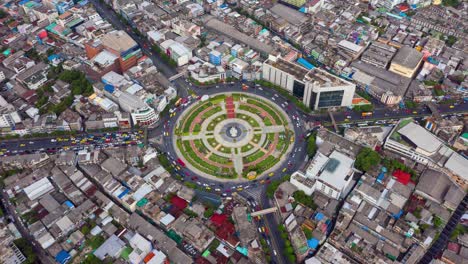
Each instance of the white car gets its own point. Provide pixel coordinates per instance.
(273, 98)
(260, 88)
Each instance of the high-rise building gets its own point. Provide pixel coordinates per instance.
(118, 43)
(316, 88)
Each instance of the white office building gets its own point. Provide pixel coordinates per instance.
(330, 175)
(316, 88)
(142, 114)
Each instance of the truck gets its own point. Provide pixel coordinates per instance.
(364, 114)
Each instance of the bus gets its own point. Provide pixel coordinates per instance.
(177, 103)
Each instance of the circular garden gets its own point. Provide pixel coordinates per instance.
(233, 136)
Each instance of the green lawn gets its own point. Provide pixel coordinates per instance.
(254, 156)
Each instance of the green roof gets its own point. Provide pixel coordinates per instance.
(465, 135)
(126, 252)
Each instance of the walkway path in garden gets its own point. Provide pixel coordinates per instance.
(237, 161)
(230, 108)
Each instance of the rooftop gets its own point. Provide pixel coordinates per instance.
(297, 71)
(336, 170)
(118, 41)
(293, 16)
(419, 136)
(407, 57)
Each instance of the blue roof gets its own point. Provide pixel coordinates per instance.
(62, 257)
(381, 177)
(69, 204)
(313, 243)
(305, 63)
(318, 216)
(53, 57)
(302, 9)
(123, 193)
(243, 251)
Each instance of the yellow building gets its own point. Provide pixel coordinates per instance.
(406, 62)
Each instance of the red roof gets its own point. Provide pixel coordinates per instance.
(179, 202)
(148, 257)
(218, 219)
(404, 7)
(402, 176)
(454, 247)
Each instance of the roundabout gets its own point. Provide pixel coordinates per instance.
(233, 136)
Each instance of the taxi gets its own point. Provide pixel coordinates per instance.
(271, 174)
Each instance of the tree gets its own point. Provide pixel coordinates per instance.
(450, 40)
(312, 145)
(3, 14)
(85, 230)
(304, 199)
(91, 259)
(367, 159)
(25, 247)
(271, 189)
(452, 3)
(307, 233)
(437, 221)
(208, 212)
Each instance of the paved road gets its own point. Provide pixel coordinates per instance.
(10, 210)
(269, 221)
(167, 71)
(439, 245)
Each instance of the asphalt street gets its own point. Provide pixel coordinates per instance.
(439, 245)
(167, 71)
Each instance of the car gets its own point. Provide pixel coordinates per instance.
(349, 117)
(284, 169)
(259, 230)
(451, 107)
(22, 145)
(240, 189)
(271, 174)
(53, 140)
(273, 98)
(208, 188)
(274, 252)
(262, 181)
(415, 112)
(181, 163)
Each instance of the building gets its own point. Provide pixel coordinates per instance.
(215, 57)
(112, 247)
(38, 188)
(141, 113)
(34, 77)
(406, 62)
(378, 54)
(351, 48)
(296, 3)
(118, 43)
(330, 175)
(316, 88)
(179, 53)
